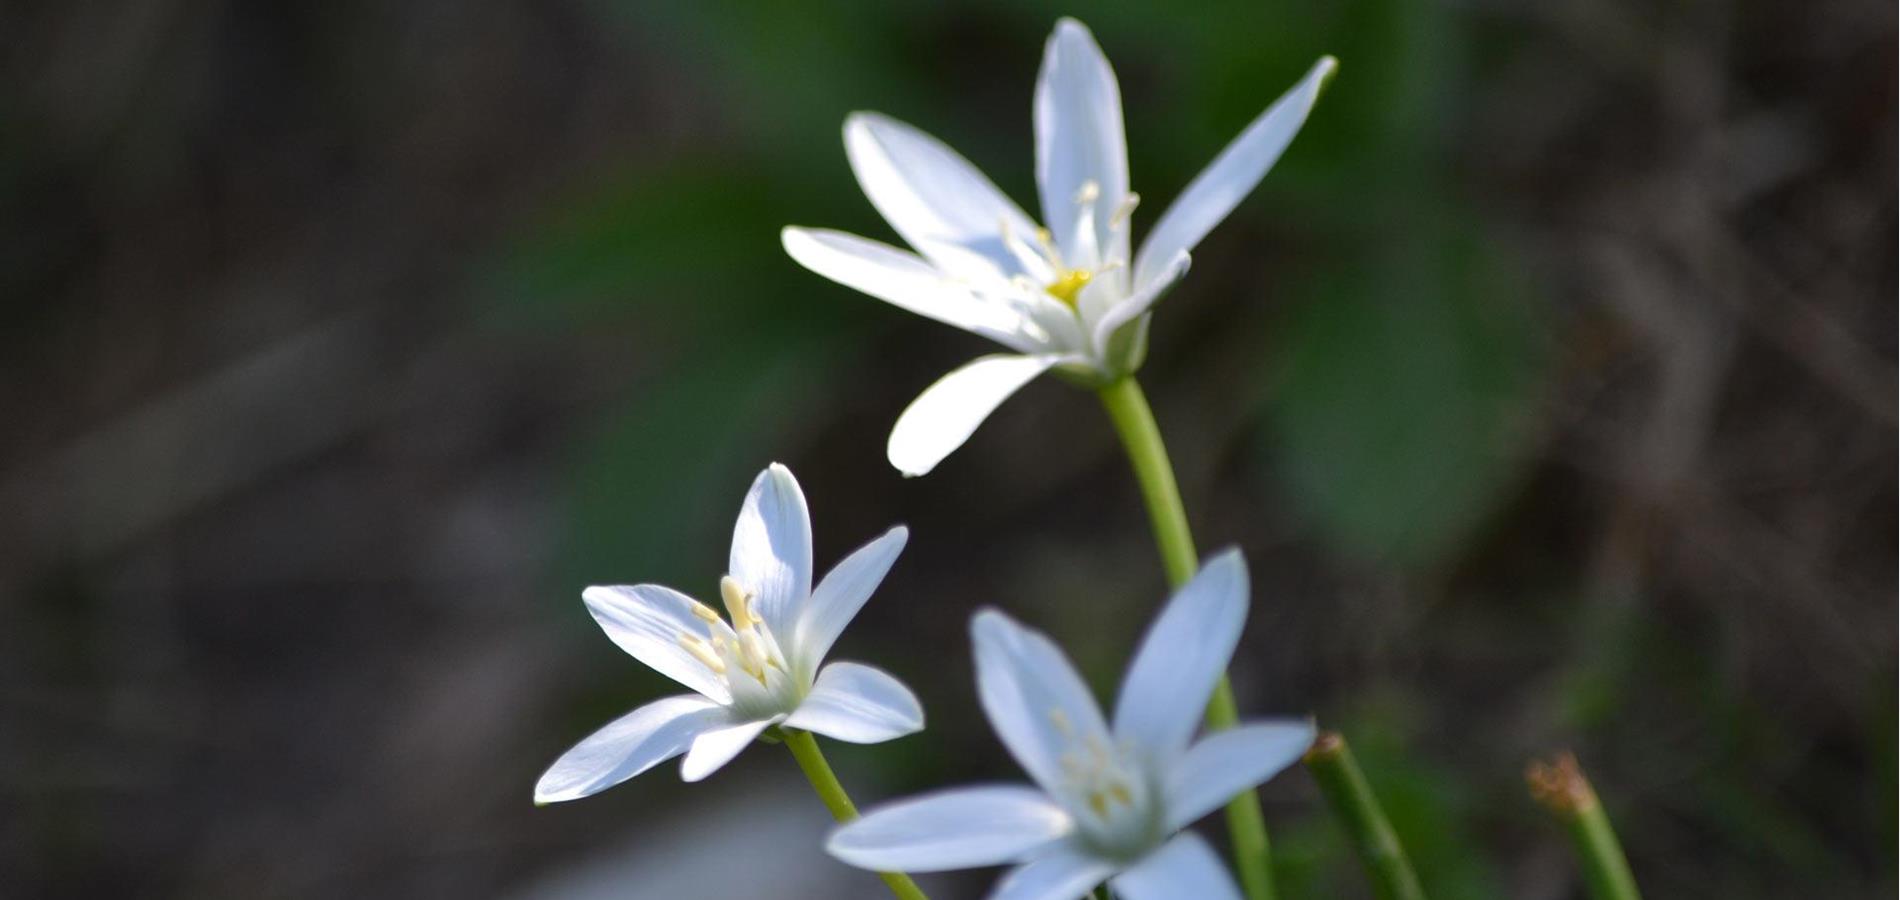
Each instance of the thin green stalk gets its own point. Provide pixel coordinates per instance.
(1135, 424)
(1561, 788)
(812, 760)
(1351, 798)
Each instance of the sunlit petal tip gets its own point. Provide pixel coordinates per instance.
(944, 416)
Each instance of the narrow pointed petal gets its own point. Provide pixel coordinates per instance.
(907, 282)
(713, 748)
(948, 412)
(1079, 141)
(1183, 655)
(628, 746)
(1062, 873)
(647, 621)
(1183, 869)
(1222, 765)
(771, 547)
(1137, 305)
(1033, 697)
(858, 704)
(837, 599)
(1231, 176)
(940, 203)
(955, 829)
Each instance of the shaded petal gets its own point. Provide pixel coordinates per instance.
(1231, 176)
(908, 282)
(948, 412)
(715, 747)
(1183, 869)
(1078, 112)
(1222, 765)
(1033, 697)
(629, 745)
(1063, 873)
(837, 599)
(771, 547)
(859, 704)
(647, 621)
(1165, 692)
(955, 829)
(940, 203)
(1144, 298)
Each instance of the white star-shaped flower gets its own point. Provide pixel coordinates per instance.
(756, 668)
(1069, 296)
(1110, 800)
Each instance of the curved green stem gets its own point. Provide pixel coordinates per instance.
(1141, 437)
(812, 761)
(1351, 798)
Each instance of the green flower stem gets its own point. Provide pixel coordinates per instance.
(1135, 424)
(1561, 788)
(812, 760)
(1351, 798)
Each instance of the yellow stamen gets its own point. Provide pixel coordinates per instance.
(1098, 803)
(1120, 792)
(704, 613)
(737, 602)
(703, 653)
(1069, 285)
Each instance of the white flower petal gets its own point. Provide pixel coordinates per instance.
(771, 547)
(1183, 869)
(1222, 765)
(1165, 692)
(1033, 697)
(629, 745)
(954, 829)
(948, 412)
(837, 599)
(908, 282)
(1079, 140)
(1064, 872)
(858, 704)
(1143, 299)
(647, 621)
(941, 204)
(1231, 176)
(715, 747)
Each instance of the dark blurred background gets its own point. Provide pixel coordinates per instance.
(1548, 383)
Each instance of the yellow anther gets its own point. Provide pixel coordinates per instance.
(1088, 193)
(1123, 210)
(1067, 287)
(1120, 792)
(703, 653)
(738, 602)
(704, 613)
(1061, 721)
(1098, 803)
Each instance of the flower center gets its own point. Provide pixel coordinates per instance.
(746, 654)
(1072, 275)
(1070, 284)
(1109, 791)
